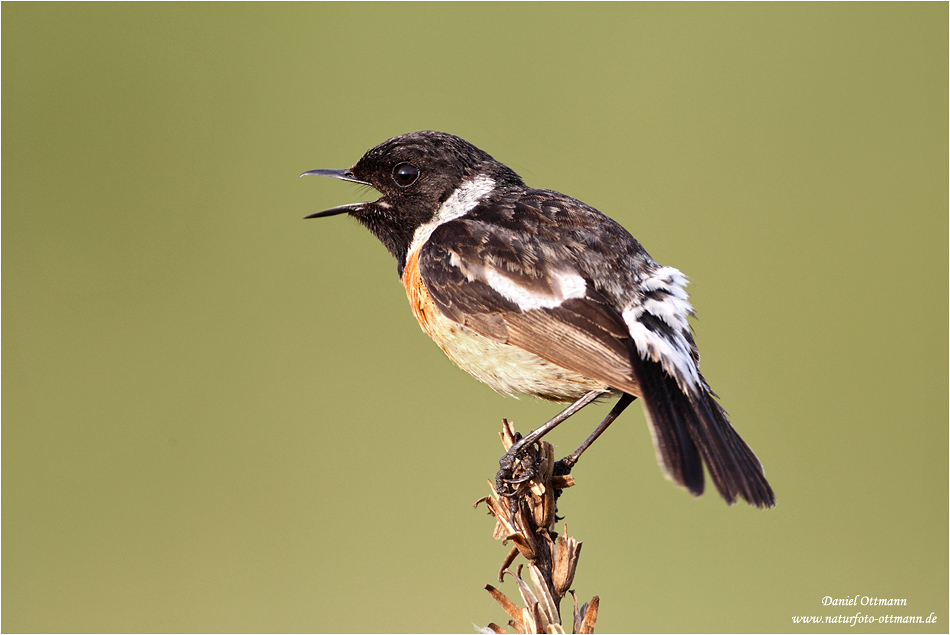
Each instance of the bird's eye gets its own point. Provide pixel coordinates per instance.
(405, 174)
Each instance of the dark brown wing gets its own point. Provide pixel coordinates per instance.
(497, 299)
(584, 334)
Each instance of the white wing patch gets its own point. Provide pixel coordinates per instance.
(665, 299)
(564, 287)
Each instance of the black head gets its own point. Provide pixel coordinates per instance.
(415, 173)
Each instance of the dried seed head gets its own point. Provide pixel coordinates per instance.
(565, 563)
(525, 516)
(511, 527)
(589, 616)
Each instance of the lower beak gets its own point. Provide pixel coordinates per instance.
(333, 211)
(343, 175)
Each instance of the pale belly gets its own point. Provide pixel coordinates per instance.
(511, 370)
(507, 369)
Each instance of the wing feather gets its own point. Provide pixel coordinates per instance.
(584, 334)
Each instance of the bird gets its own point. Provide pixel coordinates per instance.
(536, 293)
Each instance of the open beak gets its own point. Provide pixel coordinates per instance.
(343, 175)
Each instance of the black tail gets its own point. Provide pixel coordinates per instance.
(690, 430)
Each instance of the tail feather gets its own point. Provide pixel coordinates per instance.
(692, 429)
(676, 451)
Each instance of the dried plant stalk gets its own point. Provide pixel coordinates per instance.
(526, 520)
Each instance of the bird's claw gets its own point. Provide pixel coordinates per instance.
(516, 466)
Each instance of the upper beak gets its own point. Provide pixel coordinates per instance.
(343, 175)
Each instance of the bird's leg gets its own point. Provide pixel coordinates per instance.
(565, 465)
(505, 477)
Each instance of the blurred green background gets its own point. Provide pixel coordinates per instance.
(220, 417)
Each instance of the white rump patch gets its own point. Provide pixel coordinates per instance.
(672, 306)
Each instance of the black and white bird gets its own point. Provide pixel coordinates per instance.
(534, 292)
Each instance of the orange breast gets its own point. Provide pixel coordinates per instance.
(419, 300)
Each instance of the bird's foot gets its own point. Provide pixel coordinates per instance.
(517, 466)
(564, 466)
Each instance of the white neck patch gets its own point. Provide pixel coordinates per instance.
(463, 200)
